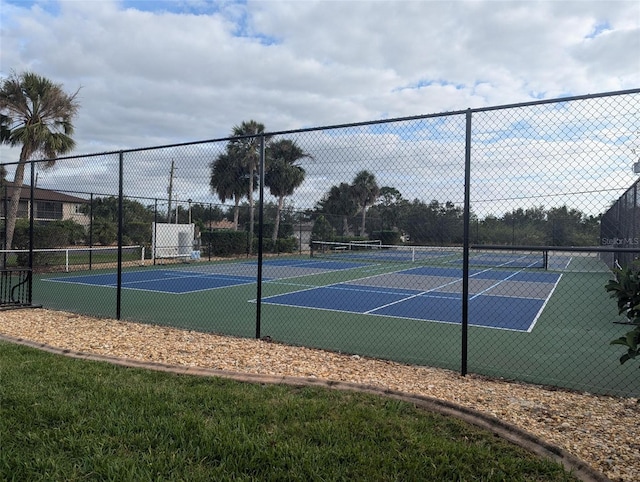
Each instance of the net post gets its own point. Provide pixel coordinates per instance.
(66, 260)
(545, 259)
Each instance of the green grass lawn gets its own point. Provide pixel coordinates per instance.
(68, 419)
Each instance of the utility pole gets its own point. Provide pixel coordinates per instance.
(170, 191)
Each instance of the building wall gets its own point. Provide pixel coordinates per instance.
(71, 211)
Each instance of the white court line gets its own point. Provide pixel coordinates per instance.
(494, 285)
(415, 296)
(422, 293)
(448, 284)
(535, 320)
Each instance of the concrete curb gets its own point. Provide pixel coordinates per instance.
(504, 430)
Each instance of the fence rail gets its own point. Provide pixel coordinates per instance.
(540, 176)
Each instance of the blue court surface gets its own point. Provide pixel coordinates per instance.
(165, 281)
(509, 300)
(498, 298)
(180, 280)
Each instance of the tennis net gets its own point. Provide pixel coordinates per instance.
(67, 259)
(429, 255)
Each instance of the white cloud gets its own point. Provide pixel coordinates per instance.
(155, 73)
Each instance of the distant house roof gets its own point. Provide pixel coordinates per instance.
(223, 224)
(40, 194)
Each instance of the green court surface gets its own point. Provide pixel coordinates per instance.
(567, 346)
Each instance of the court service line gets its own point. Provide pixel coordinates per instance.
(185, 276)
(495, 284)
(422, 293)
(411, 297)
(331, 285)
(501, 281)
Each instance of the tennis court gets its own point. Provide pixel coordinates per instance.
(459, 184)
(383, 304)
(422, 293)
(180, 280)
(436, 295)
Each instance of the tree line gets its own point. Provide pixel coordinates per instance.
(37, 115)
(361, 209)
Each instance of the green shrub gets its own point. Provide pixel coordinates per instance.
(67, 233)
(626, 288)
(137, 232)
(225, 242)
(282, 245)
(322, 230)
(52, 234)
(284, 230)
(268, 246)
(287, 245)
(105, 232)
(21, 234)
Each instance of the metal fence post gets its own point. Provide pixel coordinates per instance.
(260, 235)
(31, 212)
(90, 231)
(120, 230)
(465, 249)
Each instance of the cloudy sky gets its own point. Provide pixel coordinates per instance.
(162, 72)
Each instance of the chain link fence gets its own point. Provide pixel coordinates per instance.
(477, 241)
(620, 228)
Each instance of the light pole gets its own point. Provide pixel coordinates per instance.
(189, 201)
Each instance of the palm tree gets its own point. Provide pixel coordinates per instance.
(5, 128)
(247, 148)
(229, 181)
(283, 176)
(37, 114)
(365, 191)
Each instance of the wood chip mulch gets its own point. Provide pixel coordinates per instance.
(602, 431)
